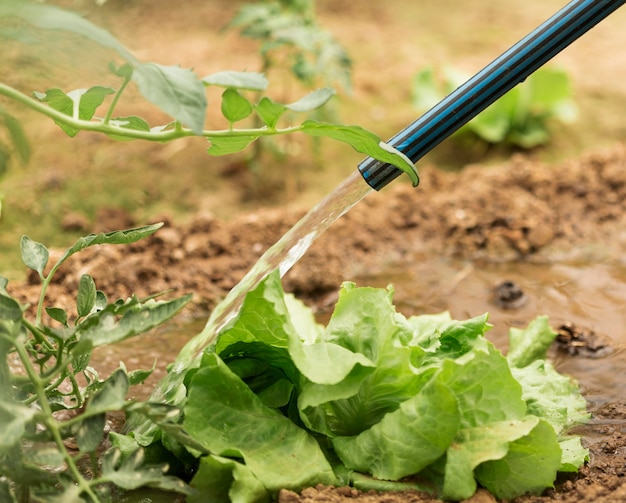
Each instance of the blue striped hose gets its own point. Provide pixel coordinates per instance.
(480, 91)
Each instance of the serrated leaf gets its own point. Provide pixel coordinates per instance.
(363, 141)
(269, 111)
(224, 145)
(240, 80)
(312, 100)
(86, 298)
(35, 255)
(115, 237)
(175, 90)
(234, 106)
(130, 473)
(103, 328)
(111, 396)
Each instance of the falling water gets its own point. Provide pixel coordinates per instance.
(282, 256)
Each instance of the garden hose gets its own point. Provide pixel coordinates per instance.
(493, 81)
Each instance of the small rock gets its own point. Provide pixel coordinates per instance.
(509, 295)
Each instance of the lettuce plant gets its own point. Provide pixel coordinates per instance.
(521, 117)
(373, 399)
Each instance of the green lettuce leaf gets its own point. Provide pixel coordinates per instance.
(228, 419)
(373, 398)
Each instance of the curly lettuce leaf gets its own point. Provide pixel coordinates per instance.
(228, 419)
(387, 397)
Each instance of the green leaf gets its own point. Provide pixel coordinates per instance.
(530, 344)
(224, 145)
(551, 92)
(175, 90)
(53, 18)
(131, 122)
(405, 441)
(240, 80)
(223, 480)
(138, 376)
(269, 111)
(426, 92)
(238, 424)
(111, 396)
(480, 444)
(34, 254)
(6, 492)
(115, 237)
(15, 418)
(57, 314)
(102, 328)
(530, 465)
(574, 455)
(312, 101)
(129, 473)
(16, 133)
(234, 106)
(86, 295)
(78, 104)
(10, 309)
(365, 142)
(551, 396)
(90, 433)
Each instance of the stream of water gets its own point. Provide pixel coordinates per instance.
(282, 256)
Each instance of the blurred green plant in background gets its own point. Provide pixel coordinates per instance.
(292, 42)
(521, 118)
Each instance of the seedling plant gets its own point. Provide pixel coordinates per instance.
(521, 118)
(374, 399)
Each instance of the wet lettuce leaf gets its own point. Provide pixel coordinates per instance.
(282, 402)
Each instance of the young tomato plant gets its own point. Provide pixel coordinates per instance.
(521, 117)
(53, 404)
(179, 93)
(291, 38)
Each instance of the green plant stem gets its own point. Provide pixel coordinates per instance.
(51, 424)
(116, 99)
(134, 134)
(37, 334)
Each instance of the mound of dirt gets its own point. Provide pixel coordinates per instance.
(524, 210)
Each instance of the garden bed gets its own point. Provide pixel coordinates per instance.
(518, 213)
